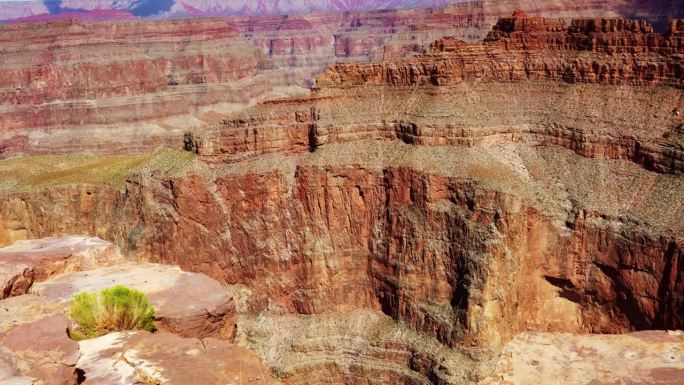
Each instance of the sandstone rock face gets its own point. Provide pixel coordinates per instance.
(34, 331)
(523, 48)
(644, 358)
(136, 357)
(27, 261)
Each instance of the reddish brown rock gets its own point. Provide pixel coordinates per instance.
(25, 262)
(72, 77)
(39, 351)
(92, 93)
(652, 358)
(466, 211)
(123, 358)
(604, 51)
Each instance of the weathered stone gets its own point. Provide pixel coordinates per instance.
(25, 262)
(643, 358)
(164, 358)
(188, 304)
(39, 351)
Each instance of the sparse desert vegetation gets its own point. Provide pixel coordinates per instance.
(115, 309)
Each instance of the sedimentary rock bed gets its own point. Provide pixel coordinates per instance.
(644, 357)
(453, 200)
(121, 87)
(127, 87)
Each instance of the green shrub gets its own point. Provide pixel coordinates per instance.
(115, 309)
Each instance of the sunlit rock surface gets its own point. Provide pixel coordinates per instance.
(195, 315)
(409, 220)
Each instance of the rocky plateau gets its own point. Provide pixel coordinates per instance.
(500, 211)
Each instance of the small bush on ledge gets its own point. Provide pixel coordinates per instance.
(115, 309)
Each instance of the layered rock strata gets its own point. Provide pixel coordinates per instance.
(463, 212)
(70, 86)
(121, 87)
(603, 51)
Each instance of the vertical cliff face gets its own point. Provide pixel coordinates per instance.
(531, 48)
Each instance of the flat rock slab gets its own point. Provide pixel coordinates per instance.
(188, 304)
(39, 352)
(25, 262)
(26, 309)
(653, 357)
(162, 358)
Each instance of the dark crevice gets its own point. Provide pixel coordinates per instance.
(567, 288)
(666, 290)
(80, 376)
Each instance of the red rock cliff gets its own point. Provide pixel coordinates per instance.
(523, 48)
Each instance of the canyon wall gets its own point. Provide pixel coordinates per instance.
(451, 199)
(121, 87)
(74, 86)
(518, 48)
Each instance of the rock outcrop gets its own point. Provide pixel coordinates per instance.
(39, 352)
(164, 358)
(195, 314)
(25, 262)
(187, 304)
(644, 357)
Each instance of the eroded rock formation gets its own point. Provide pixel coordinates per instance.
(586, 51)
(120, 87)
(195, 314)
(70, 86)
(458, 198)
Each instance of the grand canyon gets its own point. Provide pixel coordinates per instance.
(345, 192)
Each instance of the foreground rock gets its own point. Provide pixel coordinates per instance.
(649, 358)
(27, 261)
(34, 331)
(39, 352)
(163, 358)
(188, 304)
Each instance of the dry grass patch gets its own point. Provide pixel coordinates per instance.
(115, 309)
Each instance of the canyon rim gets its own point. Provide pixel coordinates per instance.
(344, 192)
